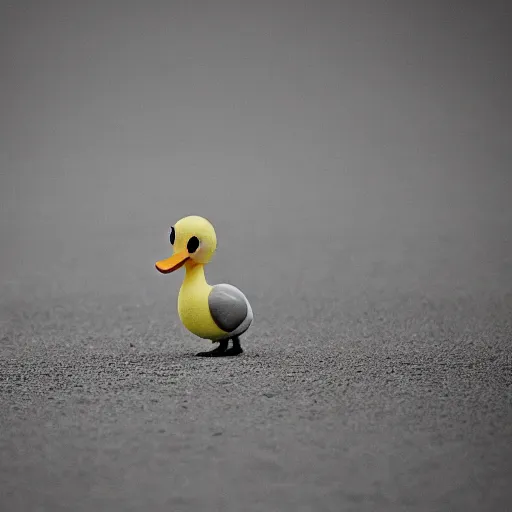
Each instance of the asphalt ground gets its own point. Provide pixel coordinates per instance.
(355, 162)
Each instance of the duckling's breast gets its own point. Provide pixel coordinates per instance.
(194, 312)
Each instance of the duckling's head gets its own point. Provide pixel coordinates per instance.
(194, 241)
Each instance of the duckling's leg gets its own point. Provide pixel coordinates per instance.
(217, 352)
(235, 349)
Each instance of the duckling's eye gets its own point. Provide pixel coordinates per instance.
(193, 244)
(172, 236)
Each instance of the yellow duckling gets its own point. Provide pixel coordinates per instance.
(218, 313)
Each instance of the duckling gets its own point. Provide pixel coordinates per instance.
(218, 313)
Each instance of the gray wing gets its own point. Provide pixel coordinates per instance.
(228, 306)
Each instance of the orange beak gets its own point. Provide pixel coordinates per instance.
(173, 263)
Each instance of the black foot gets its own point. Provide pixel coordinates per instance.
(217, 352)
(236, 349)
(223, 351)
(233, 351)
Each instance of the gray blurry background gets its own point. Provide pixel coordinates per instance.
(354, 158)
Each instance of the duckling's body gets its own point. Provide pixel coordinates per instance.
(212, 312)
(193, 308)
(218, 313)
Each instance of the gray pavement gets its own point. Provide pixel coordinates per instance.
(355, 159)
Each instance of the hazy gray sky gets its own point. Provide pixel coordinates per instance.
(382, 125)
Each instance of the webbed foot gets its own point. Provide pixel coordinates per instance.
(216, 352)
(233, 351)
(223, 351)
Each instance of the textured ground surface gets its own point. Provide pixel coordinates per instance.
(356, 164)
